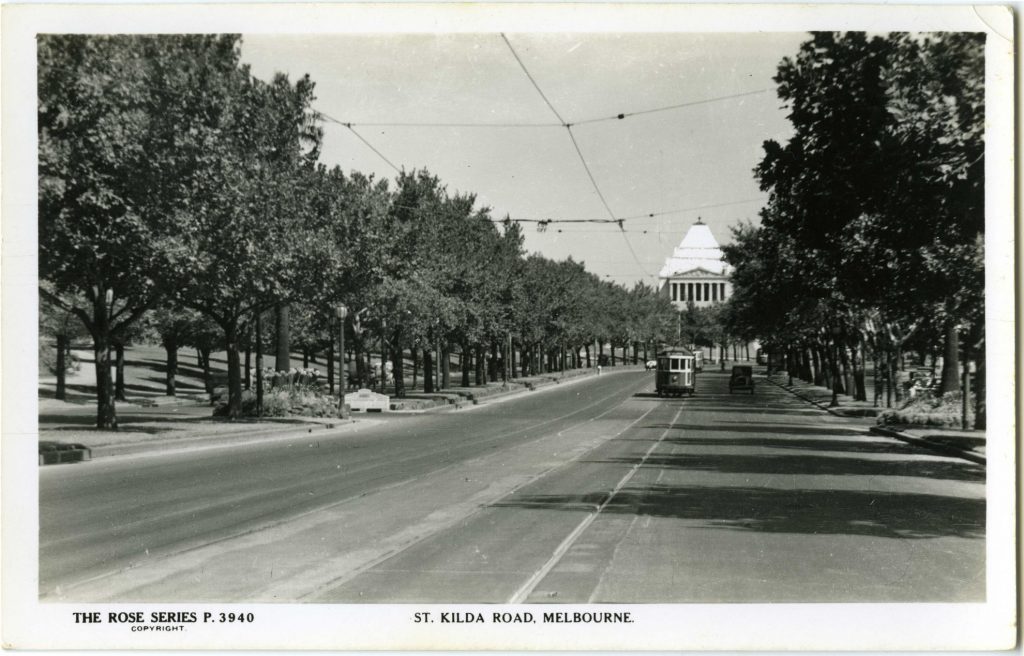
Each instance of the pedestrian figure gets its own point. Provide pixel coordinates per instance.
(598, 370)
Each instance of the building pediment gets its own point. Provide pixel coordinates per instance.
(699, 272)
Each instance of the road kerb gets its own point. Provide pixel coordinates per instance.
(266, 432)
(820, 406)
(917, 441)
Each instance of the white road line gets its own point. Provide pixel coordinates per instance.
(523, 592)
(348, 576)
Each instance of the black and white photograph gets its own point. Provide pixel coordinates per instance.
(508, 327)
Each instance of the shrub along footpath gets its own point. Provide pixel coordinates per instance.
(928, 410)
(298, 392)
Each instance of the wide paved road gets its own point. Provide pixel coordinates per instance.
(594, 491)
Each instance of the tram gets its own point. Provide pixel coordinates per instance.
(676, 372)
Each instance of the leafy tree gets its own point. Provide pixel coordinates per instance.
(874, 222)
(112, 165)
(238, 244)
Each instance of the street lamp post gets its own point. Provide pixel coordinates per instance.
(341, 312)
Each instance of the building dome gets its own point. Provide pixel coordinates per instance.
(696, 272)
(698, 250)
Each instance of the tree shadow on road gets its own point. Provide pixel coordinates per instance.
(129, 428)
(817, 512)
(753, 410)
(816, 465)
(803, 444)
(763, 428)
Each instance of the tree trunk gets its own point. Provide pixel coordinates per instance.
(876, 361)
(330, 367)
(481, 359)
(819, 377)
(980, 419)
(106, 412)
(119, 369)
(467, 362)
(587, 350)
(808, 373)
(305, 358)
(492, 363)
(966, 386)
(721, 355)
(428, 371)
(888, 378)
(360, 362)
(259, 364)
(248, 367)
(858, 372)
(398, 366)
(234, 374)
(283, 361)
(415, 366)
(171, 346)
(613, 353)
(847, 377)
(446, 367)
(950, 359)
(204, 356)
(894, 376)
(62, 345)
(837, 379)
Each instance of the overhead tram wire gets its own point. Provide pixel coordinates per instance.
(588, 121)
(635, 217)
(579, 153)
(667, 108)
(543, 223)
(361, 138)
(696, 208)
(533, 81)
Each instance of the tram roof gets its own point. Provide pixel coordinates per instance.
(675, 350)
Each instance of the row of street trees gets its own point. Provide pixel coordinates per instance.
(871, 243)
(181, 197)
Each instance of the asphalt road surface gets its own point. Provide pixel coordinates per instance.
(591, 491)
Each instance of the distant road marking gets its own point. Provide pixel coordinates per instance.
(523, 592)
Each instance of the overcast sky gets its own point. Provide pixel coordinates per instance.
(688, 157)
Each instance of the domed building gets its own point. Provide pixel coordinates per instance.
(696, 270)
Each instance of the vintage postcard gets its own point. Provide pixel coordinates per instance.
(508, 327)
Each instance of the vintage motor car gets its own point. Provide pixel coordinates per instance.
(742, 378)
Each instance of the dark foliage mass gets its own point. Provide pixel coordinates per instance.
(182, 198)
(871, 243)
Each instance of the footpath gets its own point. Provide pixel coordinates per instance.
(66, 432)
(966, 444)
(457, 397)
